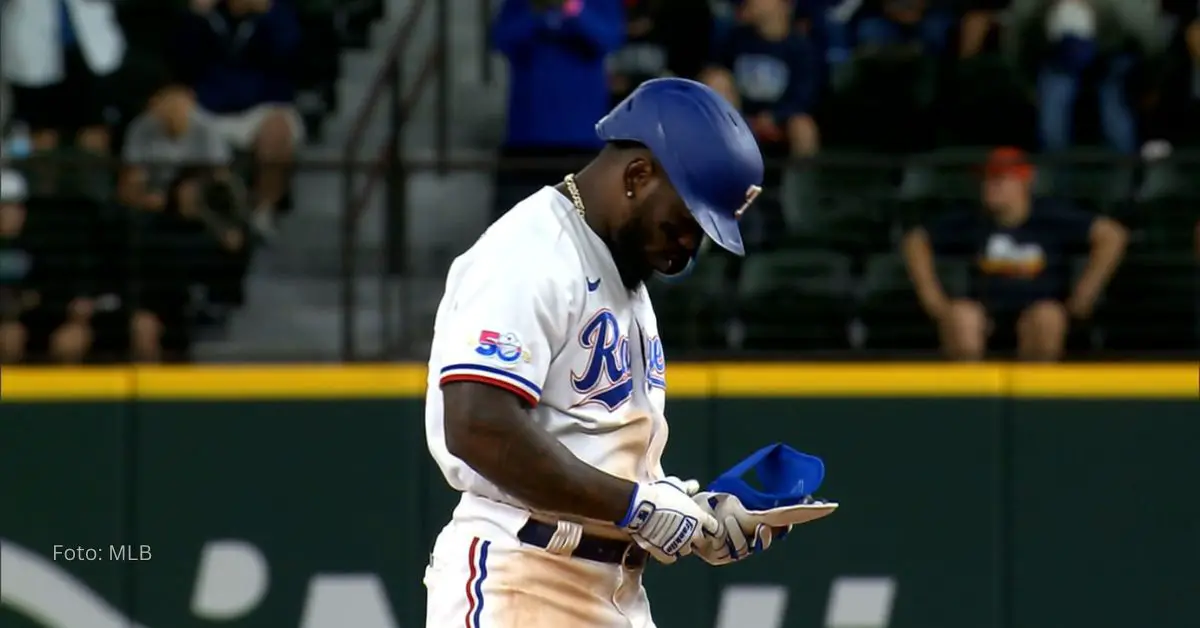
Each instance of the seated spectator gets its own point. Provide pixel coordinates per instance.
(896, 24)
(44, 308)
(169, 135)
(238, 55)
(768, 70)
(558, 86)
(662, 38)
(58, 58)
(1081, 40)
(183, 246)
(1020, 251)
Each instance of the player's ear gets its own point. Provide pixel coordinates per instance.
(640, 178)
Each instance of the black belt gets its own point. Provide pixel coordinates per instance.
(595, 548)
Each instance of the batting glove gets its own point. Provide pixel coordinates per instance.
(739, 536)
(664, 521)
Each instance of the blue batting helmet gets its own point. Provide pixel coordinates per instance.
(709, 154)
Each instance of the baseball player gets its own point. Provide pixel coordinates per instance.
(547, 376)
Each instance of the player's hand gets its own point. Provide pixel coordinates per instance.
(739, 537)
(664, 521)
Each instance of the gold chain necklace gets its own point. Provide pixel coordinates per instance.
(576, 199)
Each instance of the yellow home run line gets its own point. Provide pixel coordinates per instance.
(698, 380)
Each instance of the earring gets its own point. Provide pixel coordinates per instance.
(628, 193)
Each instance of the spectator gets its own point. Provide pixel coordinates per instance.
(891, 24)
(986, 100)
(885, 96)
(826, 23)
(1021, 251)
(58, 57)
(979, 27)
(15, 296)
(181, 247)
(558, 85)
(239, 56)
(1078, 39)
(663, 38)
(169, 135)
(43, 303)
(768, 70)
(1174, 99)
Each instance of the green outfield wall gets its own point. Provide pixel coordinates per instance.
(981, 512)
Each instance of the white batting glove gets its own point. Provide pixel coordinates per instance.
(691, 487)
(739, 537)
(664, 521)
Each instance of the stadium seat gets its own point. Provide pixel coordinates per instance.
(691, 313)
(937, 181)
(794, 301)
(845, 205)
(889, 309)
(67, 172)
(1087, 177)
(1152, 303)
(1166, 210)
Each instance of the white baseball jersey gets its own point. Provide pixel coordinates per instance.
(537, 307)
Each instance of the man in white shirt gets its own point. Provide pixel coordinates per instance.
(57, 57)
(547, 375)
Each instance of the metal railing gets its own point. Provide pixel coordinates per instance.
(389, 164)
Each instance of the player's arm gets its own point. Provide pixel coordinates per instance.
(507, 320)
(489, 428)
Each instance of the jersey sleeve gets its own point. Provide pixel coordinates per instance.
(505, 321)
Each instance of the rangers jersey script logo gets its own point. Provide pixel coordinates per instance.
(607, 379)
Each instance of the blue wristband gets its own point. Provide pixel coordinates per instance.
(633, 500)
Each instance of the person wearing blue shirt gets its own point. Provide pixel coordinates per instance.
(770, 72)
(239, 57)
(888, 23)
(558, 84)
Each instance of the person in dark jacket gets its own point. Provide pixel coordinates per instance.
(238, 55)
(558, 84)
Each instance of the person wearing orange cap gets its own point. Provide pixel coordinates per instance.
(1021, 295)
